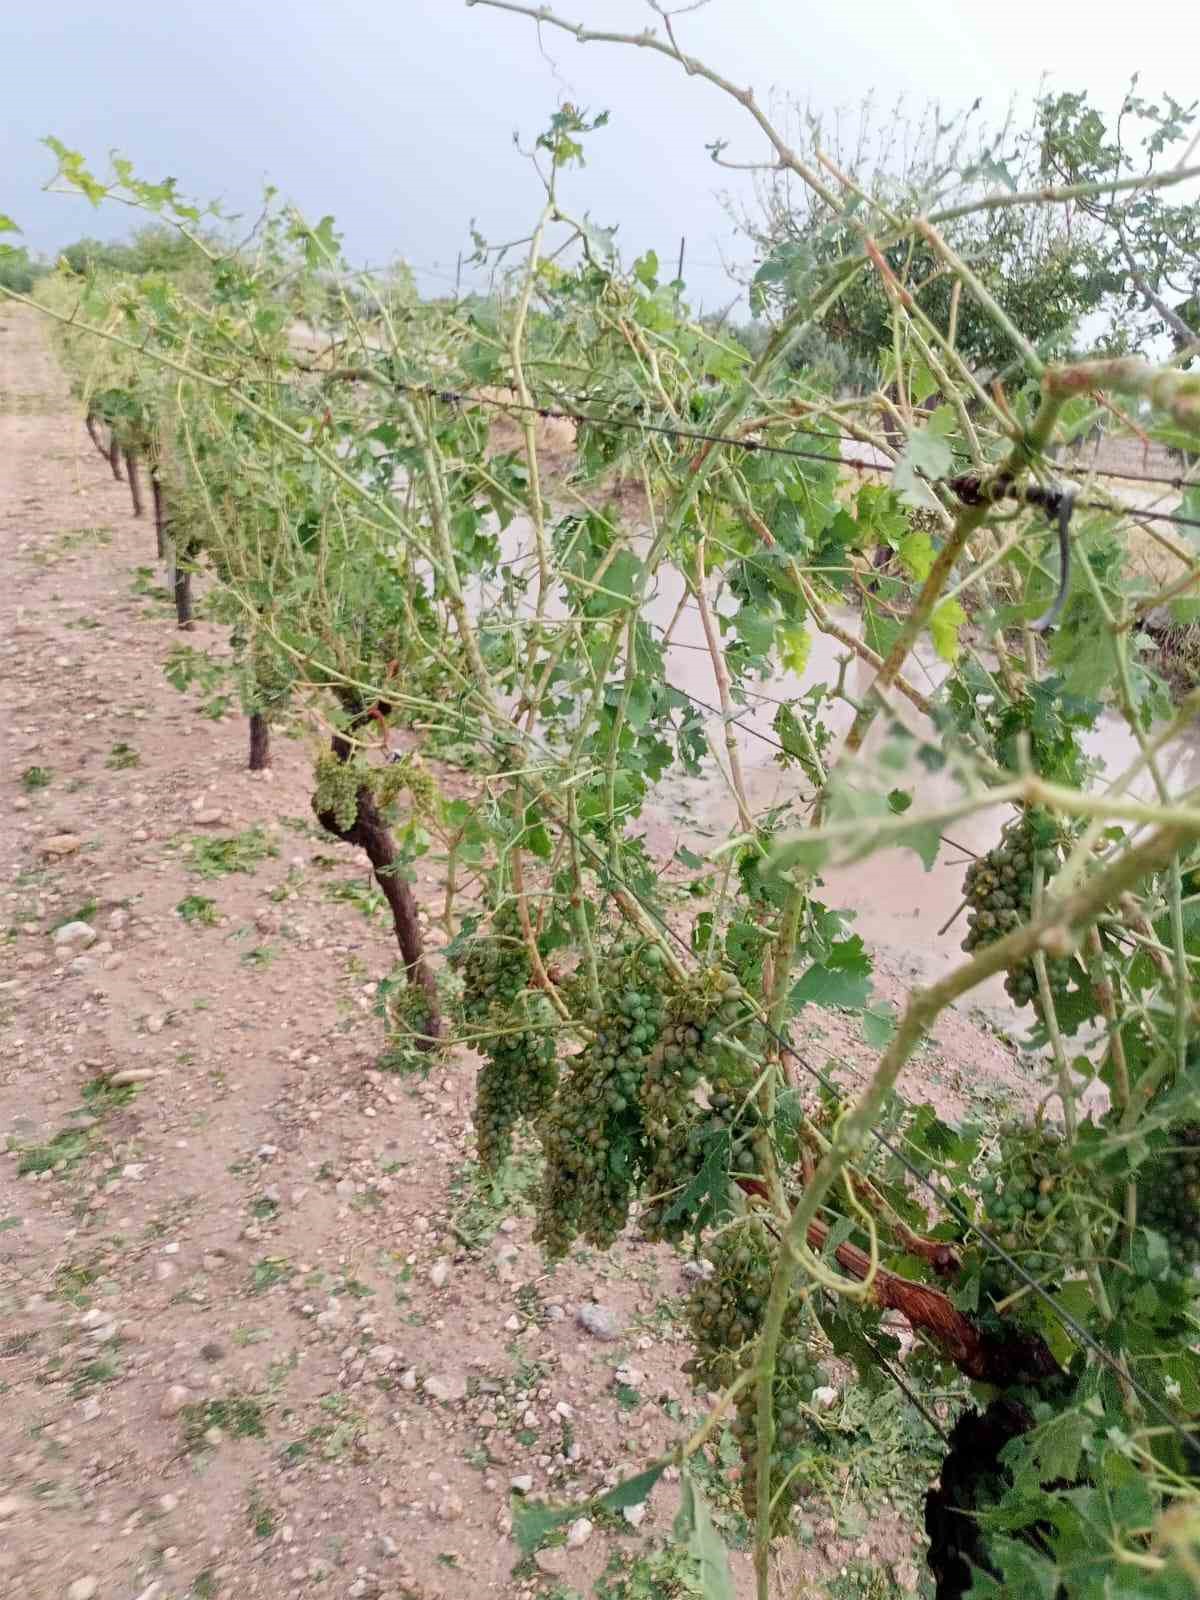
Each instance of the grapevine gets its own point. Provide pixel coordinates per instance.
(391, 543)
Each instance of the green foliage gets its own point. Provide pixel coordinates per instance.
(667, 1574)
(238, 1416)
(36, 778)
(198, 908)
(239, 852)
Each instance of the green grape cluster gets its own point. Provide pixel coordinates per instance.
(694, 1092)
(998, 888)
(1169, 1195)
(1024, 1188)
(405, 772)
(593, 1135)
(520, 1073)
(336, 788)
(495, 967)
(518, 1080)
(725, 1316)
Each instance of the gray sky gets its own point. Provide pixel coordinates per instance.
(397, 115)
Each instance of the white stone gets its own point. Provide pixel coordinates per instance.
(634, 1515)
(599, 1321)
(72, 934)
(173, 1402)
(522, 1483)
(579, 1533)
(83, 1588)
(446, 1386)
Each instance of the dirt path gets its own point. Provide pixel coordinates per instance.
(260, 1333)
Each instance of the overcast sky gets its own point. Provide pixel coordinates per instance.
(397, 115)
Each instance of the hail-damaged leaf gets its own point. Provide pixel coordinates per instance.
(927, 456)
(694, 1527)
(944, 624)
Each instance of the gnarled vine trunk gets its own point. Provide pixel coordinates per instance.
(260, 742)
(135, 483)
(114, 457)
(370, 833)
(160, 512)
(92, 425)
(182, 587)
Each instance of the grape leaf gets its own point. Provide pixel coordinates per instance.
(843, 979)
(926, 455)
(1053, 1452)
(694, 1527)
(944, 624)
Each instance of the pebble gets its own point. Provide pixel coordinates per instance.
(408, 1379)
(75, 933)
(439, 1273)
(382, 1355)
(634, 1515)
(599, 1321)
(118, 919)
(155, 1023)
(168, 1502)
(173, 1402)
(552, 1562)
(83, 1588)
(90, 1409)
(579, 1533)
(628, 1374)
(522, 1483)
(824, 1397)
(449, 1508)
(445, 1386)
(61, 844)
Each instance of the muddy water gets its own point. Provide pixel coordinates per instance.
(898, 907)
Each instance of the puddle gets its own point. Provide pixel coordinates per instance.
(900, 909)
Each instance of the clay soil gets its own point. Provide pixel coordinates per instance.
(262, 1330)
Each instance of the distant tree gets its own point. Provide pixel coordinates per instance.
(150, 249)
(1152, 238)
(18, 269)
(1049, 268)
